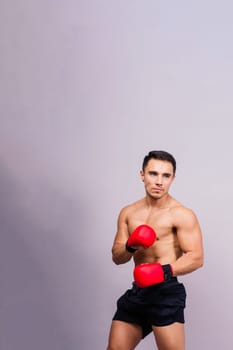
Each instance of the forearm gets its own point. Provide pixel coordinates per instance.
(187, 263)
(119, 254)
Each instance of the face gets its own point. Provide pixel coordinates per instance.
(157, 177)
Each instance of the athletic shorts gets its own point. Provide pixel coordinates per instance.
(158, 305)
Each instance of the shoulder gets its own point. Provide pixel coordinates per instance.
(130, 208)
(182, 214)
(133, 206)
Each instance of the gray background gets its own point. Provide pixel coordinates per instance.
(87, 88)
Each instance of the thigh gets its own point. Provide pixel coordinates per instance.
(170, 337)
(124, 336)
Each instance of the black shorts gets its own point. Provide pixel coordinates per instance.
(158, 305)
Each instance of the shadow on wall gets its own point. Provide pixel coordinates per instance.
(39, 255)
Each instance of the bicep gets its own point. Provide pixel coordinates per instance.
(119, 253)
(189, 233)
(122, 228)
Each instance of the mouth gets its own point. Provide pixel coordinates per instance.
(157, 190)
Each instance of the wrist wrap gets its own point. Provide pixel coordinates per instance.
(130, 249)
(167, 272)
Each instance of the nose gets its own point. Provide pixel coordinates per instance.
(159, 180)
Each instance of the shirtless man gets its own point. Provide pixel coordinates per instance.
(164, 238)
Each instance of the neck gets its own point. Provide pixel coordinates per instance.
(159, 203)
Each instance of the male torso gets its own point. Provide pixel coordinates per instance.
(163, 220)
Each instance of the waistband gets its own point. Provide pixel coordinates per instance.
(158, 285)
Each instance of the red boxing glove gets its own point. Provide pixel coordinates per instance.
(143, 235)
(146, 275)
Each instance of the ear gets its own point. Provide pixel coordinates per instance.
(142, 175)
(174, 177)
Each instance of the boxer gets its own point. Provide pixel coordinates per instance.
(164, 239)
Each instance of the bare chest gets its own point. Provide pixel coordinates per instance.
(160, 220)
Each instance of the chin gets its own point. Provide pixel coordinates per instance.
(155, 196)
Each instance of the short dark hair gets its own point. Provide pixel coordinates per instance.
(161, 155)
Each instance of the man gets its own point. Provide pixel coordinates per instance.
(164, 238)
